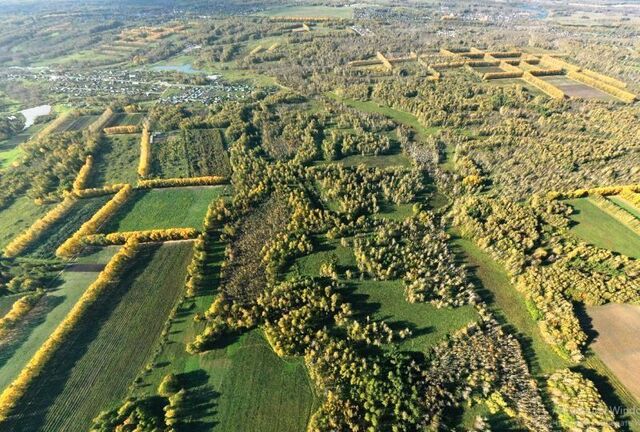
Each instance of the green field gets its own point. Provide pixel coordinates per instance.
(508, 304)
(165, 208)
(384, 300)
(19, 216)
(10, 149)
(311, 11)
(191, 153)
(97, 364)
(116, 160)
(76, 123)
(596, 227)
(44, 318)
(64, 228)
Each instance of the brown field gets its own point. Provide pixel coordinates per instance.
(577, 89)
(487, 69)
(617, 342)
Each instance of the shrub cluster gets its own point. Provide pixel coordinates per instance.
(578, 404)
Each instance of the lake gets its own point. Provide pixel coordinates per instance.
(31, 114)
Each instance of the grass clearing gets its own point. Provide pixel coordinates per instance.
(116, 160)
(385, 300)
(45, 317)
(19, 216)
(596, 227)
(183, 207)
(403, 117)
(493, 285)
(97, 364)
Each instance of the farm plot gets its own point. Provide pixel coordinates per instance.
(99, 361)
(125, 119)
(10, 149)
(165, 208)
(117, 160)
(598, 228)
(577, 89)
(76, 123)
(45, 317)
(81, 212)
(191, 153)
(19, 216)
(616, 342)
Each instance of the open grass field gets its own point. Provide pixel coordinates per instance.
(116, 160)
(81, 212)
(76, 123)
(19, 216)
(165, 208)
(616, 342)
(428, 324)
(96, 365)
(596, 227)
(45, 317)
(509, 306)
(311, 11)
(577, 89)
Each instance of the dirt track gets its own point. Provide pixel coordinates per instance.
(617, 343)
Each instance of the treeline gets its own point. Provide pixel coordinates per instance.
(159, 235)
(144, 166)
(109, 276)
(74, 244)
(39, 227)
(181, 182)
(18, 311)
